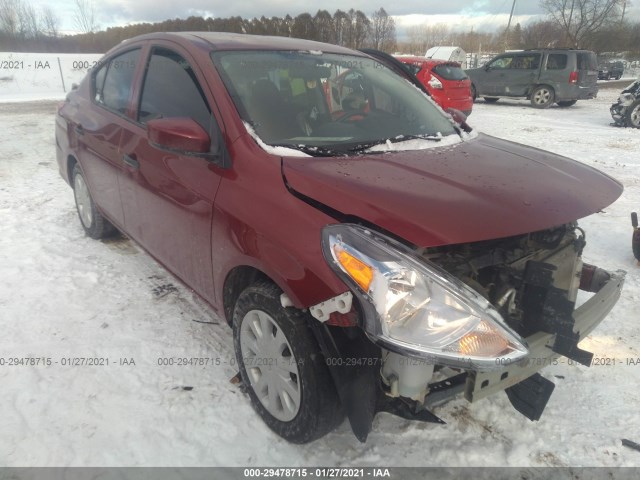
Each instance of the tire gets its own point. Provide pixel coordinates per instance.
(474, 92)
(297, 399)
(567, 103)
(632, 115)
(491, 99)
(92, 221)
(542, 97)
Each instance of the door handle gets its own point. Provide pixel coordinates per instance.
(132, 162)
(78, 129)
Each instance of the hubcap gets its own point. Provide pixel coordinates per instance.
(83, 200)
(271, 367)
(635, 116)
(542, 96)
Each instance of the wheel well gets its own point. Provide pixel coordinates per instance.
(237, 280)
(71, 162)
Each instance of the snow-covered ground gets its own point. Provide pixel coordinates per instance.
(33, 76)
(65, 296)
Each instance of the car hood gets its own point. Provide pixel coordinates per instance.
(480, 189)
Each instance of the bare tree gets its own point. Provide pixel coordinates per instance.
(383, 31)
(85, 16)
(426, 36)
(49, 21)
(582, 18)
(10, 17)
(28, 21)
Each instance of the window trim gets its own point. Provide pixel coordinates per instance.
(150, 52)
(107, 64)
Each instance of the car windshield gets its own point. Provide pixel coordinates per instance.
(327, 103)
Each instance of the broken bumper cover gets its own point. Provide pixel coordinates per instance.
(618, 111)
(587, 317)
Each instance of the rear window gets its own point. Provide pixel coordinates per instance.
(587, 61)
(449, 72)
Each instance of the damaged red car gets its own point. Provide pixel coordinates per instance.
(383, 259)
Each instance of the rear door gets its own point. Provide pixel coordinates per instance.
(99, 128)
(168, 196)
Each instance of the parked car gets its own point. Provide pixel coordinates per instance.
(609, 70)
(544, 76)
(626, 111)
(446, 81)
(368, 253)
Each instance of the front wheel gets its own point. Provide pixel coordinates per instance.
(474, 92)
(542, 97)
(567, 103)
(280, 363)
(632, 115)
(93, 223)
(491, 99)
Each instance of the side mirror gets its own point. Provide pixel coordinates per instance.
(181, 135)
(460, 118)
(487, 67)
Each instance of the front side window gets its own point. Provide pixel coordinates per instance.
(117, 81)
(335, 102)
(501, 63)
(171, 89)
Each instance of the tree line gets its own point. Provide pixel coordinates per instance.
(619, 38)
(351, 28)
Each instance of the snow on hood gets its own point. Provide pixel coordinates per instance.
(416, 143)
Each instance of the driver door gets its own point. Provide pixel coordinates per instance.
(168, 195)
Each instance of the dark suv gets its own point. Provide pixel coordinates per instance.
(609, 70)
(544, 76)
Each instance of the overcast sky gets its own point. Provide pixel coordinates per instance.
(482, 14)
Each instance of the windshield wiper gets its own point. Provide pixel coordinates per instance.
(400, 138)
(314, 151)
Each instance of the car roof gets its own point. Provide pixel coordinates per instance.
(240, 41)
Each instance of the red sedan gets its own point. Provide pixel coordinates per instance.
(446, 82)
(370, 254)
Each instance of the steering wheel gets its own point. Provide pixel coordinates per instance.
(349, 115)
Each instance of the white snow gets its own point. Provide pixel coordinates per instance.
(34, 76)
(416, 144)
(64, 295)
(280, 151)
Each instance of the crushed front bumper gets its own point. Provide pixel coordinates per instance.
(618, 111)
(482, 384)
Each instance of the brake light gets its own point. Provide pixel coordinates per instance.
(573, 78)
(435, 83)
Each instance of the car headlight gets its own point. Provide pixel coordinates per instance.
(414, 307)
(626, 99)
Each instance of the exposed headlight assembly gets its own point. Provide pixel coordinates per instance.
(415, 308)
(626, 99)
